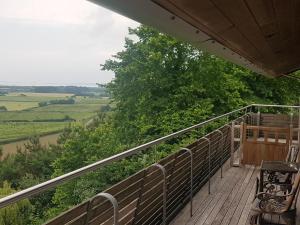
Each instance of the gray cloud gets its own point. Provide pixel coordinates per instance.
(50, 47)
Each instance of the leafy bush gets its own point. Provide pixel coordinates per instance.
(16, 214)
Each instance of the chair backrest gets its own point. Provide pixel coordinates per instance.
(292, 154)
(294, 192)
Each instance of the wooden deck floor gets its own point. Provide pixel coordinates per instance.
(229, 202)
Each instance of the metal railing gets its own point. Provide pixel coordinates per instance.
(37, 189)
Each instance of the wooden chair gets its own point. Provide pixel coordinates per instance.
(293, 154)
(275, 203)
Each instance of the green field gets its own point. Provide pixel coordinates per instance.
(24, 118)
(17, 131)
(21, 101)
(51, 112)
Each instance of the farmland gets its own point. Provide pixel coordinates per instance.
(24, 117)
(20, 101)
(16, 131)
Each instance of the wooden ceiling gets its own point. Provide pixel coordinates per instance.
(266, 32)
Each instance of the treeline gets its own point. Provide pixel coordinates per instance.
(99, 91)
(57, 101)
(161, 85)
(80, 91)
(66, 118)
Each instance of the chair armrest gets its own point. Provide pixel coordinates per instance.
(267, 195)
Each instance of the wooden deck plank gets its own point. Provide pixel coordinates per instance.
(204, 203)
(223, 210)
(247, 208)
(202, 198)
(237, 198)
(220, 200)
(242, 204)
(229, 203)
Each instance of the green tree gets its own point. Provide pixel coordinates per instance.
(29, 166)
(16, 214)
(161, 85)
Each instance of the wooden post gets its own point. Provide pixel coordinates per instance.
(299, 126)
(291, 136)
(298, 132)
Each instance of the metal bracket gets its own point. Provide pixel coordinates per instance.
(192, 177)
(112, 200)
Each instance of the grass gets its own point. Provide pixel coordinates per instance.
(25, 118)
(52, 112)
(16, 131)
(22, 101)
(91, 100)
(15, 106)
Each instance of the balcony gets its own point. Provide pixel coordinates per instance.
(210, 181)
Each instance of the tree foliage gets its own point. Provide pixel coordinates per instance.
(162, 84)
(16, 214)
(31, 165)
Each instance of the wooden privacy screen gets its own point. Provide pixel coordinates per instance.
(278, 120)
(264, 143)
(140, 197)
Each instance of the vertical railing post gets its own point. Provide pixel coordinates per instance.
(221, 163)
(163, 170)
(191, 178)
(209, 166)
(112, 200)
(232, 143)
(292, 118)
(258, 121)
(291, 129)
(246, 111)
(241, 141)
(258, 116)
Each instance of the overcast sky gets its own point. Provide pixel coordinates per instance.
(58, 42)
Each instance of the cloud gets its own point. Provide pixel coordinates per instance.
(48, 11)
(58, 41)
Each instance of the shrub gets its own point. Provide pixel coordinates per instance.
(3, 109)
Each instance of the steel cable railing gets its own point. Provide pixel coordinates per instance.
(92, 167)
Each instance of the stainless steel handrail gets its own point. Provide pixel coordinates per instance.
(277, 106)
(94, 166)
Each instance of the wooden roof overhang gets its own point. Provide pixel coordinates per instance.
(261, 35)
